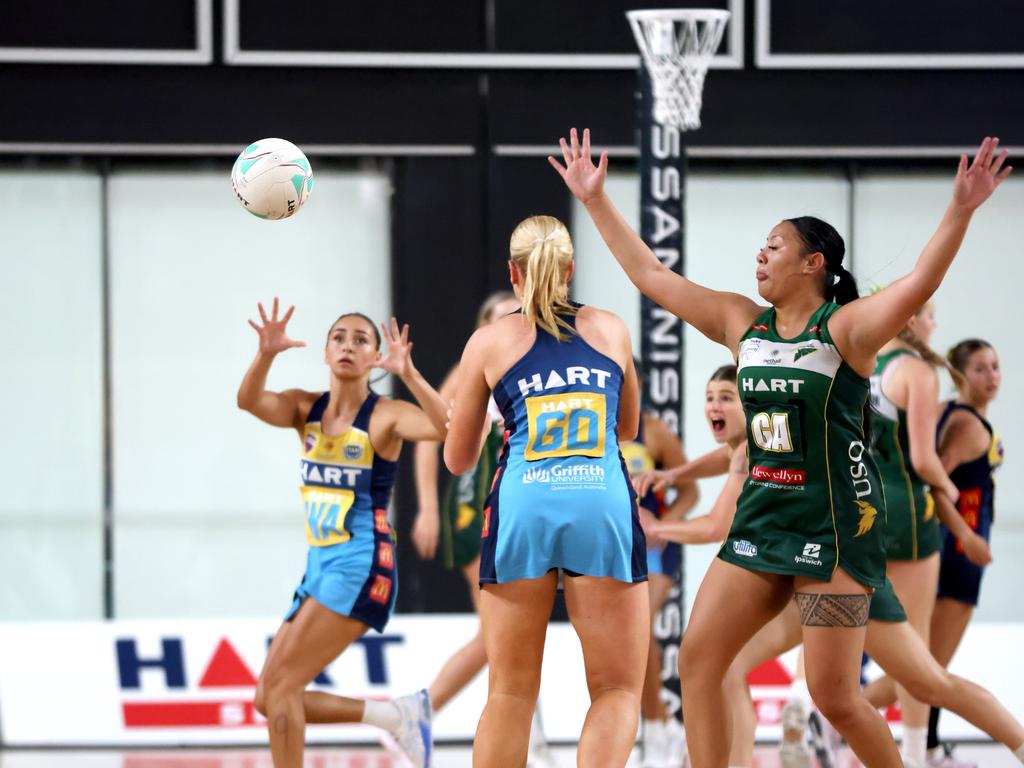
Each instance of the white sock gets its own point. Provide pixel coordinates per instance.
(383, 714)
(915, 746)
(1019, 753)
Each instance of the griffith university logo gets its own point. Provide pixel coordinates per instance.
(536, 476)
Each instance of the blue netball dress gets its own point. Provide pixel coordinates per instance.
(350, 567)
(663, 560)
(959, 578)
(561, 497)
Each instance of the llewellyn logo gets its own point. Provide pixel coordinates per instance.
(779, 475)
(744, 548)
(536, 476)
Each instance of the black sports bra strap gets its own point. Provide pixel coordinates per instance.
(362, 420)
(317, 411)
(955, 406)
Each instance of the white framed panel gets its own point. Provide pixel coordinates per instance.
(791, 152)
(206, 150)
(234, 54)
(896, 214)
(51, 443)
(201, 53)
(201, 488)
(728, 217)
(764, 58)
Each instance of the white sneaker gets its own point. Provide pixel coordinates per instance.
(540, 756)
(411, 740)
(794, 754)
(943, 758)
(677, 756)
(654, 741)
(794, 718)
(793, 751)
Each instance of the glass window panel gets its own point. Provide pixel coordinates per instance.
(51, 443)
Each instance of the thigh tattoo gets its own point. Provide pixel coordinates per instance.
(818, 610)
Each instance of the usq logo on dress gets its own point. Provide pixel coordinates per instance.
(353, 452)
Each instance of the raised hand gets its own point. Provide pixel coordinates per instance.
(398, 360)
(974, 184)
(584, 179)
(273, 338)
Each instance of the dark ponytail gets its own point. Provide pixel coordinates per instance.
(821, 237)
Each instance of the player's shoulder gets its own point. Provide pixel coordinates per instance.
(607, 323)
(590, 312)
(913, 370)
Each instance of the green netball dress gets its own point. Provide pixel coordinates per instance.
(813, 501)
(912, 528)
(462, 516)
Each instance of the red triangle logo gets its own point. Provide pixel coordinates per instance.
(770, 673)
(226, 669)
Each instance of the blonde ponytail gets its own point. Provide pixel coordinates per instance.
(541, 249)
(929, 355)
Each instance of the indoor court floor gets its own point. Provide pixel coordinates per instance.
(985, 755)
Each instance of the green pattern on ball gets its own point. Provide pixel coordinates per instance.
(298, 180)
(245, 165)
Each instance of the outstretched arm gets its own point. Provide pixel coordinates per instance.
(279, 409)
(722, 317)
(668, 451)
(412, 423)
(863, 326)
(709, 465)
(715, 525)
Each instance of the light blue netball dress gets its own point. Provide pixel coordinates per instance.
(350, 567)
(561, 497)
